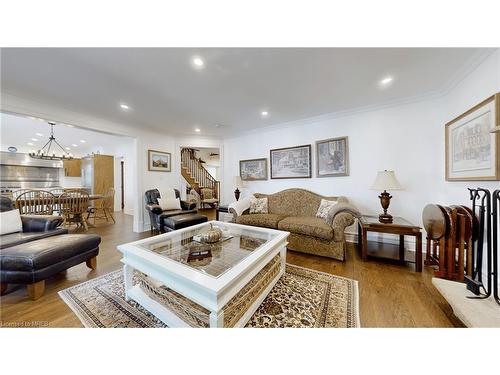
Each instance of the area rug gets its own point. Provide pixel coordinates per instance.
(301, 298)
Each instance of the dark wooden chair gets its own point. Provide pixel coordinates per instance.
(73, 205)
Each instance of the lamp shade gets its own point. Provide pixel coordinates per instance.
(237, 182)
(386, 180)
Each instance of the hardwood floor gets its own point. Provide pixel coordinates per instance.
(390, 295)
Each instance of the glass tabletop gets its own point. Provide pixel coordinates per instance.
(374, 220)
(211, 259)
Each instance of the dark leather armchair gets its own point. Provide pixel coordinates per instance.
(34, 226)
(156, 214)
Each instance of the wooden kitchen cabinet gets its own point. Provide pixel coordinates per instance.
(72, 167)
(98, 174)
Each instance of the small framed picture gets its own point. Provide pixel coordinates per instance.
(253, 169)
(332, 157)
(159, 161)
(472, 150)
(291, 162)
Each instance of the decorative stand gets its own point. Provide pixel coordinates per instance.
(450, 237)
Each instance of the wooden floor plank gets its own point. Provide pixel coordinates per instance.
(390, 295)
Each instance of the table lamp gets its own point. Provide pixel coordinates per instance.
(237, 182)
(386, 180)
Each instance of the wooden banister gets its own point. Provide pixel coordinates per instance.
(195, 173)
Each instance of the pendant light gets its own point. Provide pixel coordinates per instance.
(45, 152)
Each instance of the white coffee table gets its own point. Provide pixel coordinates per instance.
(185, 283)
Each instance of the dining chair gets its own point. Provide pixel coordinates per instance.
(57, 191)
(35, 202)
(18, 192)
(103, 208)
(73, 205)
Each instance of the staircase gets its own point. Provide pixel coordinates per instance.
(195, 173)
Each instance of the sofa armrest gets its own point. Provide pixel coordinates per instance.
(341, 207)
(187, 206)
(235, 214)
(240, 207)
(40, 223)
(154, 208)
(341, 221)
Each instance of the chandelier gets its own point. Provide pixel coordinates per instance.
(44, 152)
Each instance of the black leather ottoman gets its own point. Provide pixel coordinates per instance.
(182, 221)
(32, 262)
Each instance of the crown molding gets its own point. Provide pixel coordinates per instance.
(469, 66)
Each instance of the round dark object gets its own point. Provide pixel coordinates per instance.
(435, 221)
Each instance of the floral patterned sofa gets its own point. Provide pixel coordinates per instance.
(294, 211)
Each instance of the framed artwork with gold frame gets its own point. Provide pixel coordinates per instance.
(291, 162)
(332, 157)
(253, 169)
(159, 161)
(472, 149)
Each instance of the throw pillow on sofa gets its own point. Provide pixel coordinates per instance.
(169, 203)
(324, 208)
(10, 222)
(258, 206)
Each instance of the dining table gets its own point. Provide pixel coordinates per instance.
(57, 202)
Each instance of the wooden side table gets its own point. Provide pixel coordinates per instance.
(222, 214)
(400, 227)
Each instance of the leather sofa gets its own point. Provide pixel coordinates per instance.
(294, 211)
(41, 250)
(35, 227)
(157, 216)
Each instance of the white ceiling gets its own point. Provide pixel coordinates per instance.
(165, 92)
(19, 130)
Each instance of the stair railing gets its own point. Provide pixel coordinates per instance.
(198, 173)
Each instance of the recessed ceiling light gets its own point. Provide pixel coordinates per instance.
(34, 139)
(218, 125)
(74, 145)
(67, 148)
(70, 126)
(30, 144)
(197, 61)
(124, 106)
(82, 141)
(385, 81)
(264, 113)
(39, 134)
(197, 130)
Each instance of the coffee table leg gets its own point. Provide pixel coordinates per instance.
(216, 319)
(128, 273)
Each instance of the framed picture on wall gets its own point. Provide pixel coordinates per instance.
(472, 150)
(291, 162)
(253, 169)
(159, 161)
(332, 157)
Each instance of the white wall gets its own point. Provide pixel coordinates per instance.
(408, 139)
